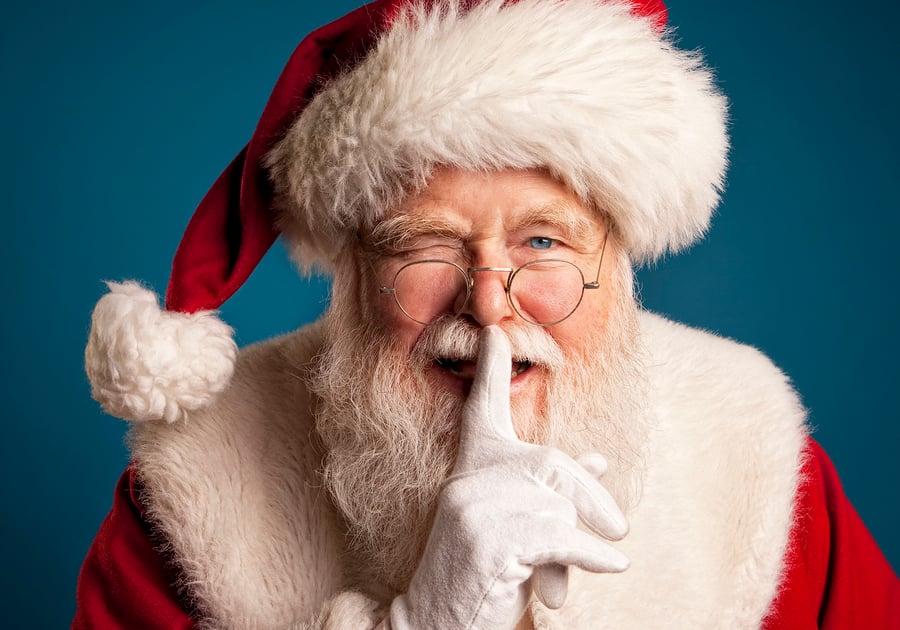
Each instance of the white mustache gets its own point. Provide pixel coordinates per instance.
(453, 338)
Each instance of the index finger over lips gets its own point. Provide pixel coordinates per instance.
(487, 408)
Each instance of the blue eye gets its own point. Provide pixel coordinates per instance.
(540, 242)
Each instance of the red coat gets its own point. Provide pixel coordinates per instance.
(835, 576)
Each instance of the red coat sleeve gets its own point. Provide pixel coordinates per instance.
(835, 577)
(124, 581)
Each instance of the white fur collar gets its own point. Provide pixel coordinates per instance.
(236, 492)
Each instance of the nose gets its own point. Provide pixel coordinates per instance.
(488, 302)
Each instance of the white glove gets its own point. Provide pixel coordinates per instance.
(508, 510)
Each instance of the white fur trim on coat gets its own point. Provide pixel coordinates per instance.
(238, 495)
(582, 88)
(145, 363)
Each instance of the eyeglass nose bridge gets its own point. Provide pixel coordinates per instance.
(470, 279)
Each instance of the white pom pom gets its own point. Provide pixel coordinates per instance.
(145, 363)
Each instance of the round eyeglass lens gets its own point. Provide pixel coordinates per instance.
(546, 291)
(427, 289)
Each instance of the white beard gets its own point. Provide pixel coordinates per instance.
(391, 435)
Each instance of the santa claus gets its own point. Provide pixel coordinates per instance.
(485, 430)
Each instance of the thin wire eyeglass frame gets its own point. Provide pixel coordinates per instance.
(507, 288)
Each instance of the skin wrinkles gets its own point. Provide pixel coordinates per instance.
(410, 232)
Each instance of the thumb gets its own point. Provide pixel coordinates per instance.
(487, 408)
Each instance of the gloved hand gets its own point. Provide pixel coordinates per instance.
(506, 518)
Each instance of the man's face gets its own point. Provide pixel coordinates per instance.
(500, 219)
(390, 391)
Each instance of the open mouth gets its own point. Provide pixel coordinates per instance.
(465, 369)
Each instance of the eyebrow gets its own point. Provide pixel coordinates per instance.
(395, 234)
(575, 227)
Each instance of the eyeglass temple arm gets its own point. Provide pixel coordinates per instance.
(596, 283)
(384, 290)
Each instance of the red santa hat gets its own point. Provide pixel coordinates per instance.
(369, 105)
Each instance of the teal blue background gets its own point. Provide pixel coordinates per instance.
(116, 119)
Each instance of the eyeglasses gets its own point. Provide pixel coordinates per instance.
(543, 292)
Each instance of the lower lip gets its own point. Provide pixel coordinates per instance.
(461, 386)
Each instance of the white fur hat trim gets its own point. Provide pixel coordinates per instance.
(145, 363)
(581, 87)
